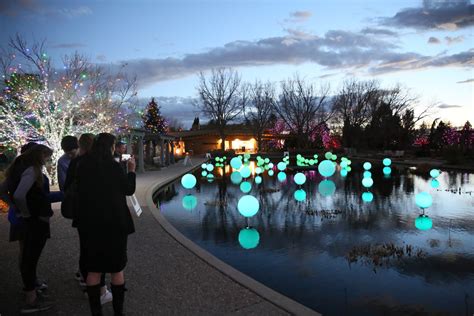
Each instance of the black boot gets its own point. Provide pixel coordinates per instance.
(94, 299)
(118, 294)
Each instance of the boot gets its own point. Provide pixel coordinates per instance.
(94, 299)
(118, 294)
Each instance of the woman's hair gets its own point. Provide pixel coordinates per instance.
(101, 149)
(85, 142)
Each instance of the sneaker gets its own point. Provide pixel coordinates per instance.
(41, 286)
(106, 297)
(39, 305)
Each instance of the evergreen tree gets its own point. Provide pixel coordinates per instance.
(153, 121)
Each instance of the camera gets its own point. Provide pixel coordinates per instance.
(126, 157)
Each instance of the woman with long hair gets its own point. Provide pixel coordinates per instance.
(104, 220)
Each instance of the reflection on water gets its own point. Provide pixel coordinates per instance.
(336, 246)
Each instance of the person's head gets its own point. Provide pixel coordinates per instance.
(27, 146)
(35, 156)
(120, 148)
(104, 146)
(69, 145)
(85, 143)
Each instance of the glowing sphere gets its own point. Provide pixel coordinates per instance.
(343, 164)
(348, 168)
(248, 205)
(423, 222)
(247, 156)
(281, 176)
(315, 156)
(204, 173)
(236, 163)
(210, 177)
(326, 188)
(434, 173)
(188, 181)
(326, 168)
(245, 172)
(258, 179)
(281, 166)
(210, 167)
(267, 160)
(235, 177)
(423, 200)
(367, 165)
(245, 187)
(189, 202)
(387, 162)
(328, 155)
(299, 178)
(249, 238)
(367, 174)
(367, 182)
(258, 170)
(270, 165)
(299, 157)
(367, 197)
(434, 183)
(343, 173)
(387, 170)
(333, 157)
(300, 195)
(203, 166)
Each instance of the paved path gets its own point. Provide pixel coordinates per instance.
(163, 277)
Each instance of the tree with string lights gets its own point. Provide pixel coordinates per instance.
(153, 121)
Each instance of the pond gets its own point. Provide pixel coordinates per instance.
(332, 251)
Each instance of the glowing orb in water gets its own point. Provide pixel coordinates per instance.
(188, 181)
(248, 205)
(249, 238)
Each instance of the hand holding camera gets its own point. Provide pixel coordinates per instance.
(131, 165)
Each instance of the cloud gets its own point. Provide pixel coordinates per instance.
(327, 75)
(446, 15)
(433, 40)
(299, 16)
(378, 31)
(68, 45)
(448, 106)
(451, 40)
(466, 81)
(101, 58)
(14, 8)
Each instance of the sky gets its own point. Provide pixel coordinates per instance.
(426, 46)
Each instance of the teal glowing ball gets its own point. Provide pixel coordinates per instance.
(204, 173)
(434, 173)
(271, 172)
(367, 197)
(210, 177)
(367, 182)
(300, 195)
(387, 162)
(343, 164)
(247, 156)
(258, 170)
(210, 167)
(423, 200)
(249, 238)
(281, 166)
(270, 165)
(235, 177)
(281, 176)
(343, 173)
(267, 160)
(245, 172)
(248, 205)
(258, 179)
(387, 170)
(367, 165)
(236, 163)
(328, 155)
(188, 181)
(434, 183)
(299, 178)
(204, 166)
(315, 156)
(245, 187)
(367, 174)
(423, 222)
(326, 188)
(189, 202)
(326, 168)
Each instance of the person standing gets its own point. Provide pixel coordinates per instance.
(120, 150)
(69, 145)
(104, 220)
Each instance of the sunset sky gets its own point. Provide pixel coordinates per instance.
(427, 46)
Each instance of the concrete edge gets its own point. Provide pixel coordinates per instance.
(261, 290)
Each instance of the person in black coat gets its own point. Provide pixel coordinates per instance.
(104, 220)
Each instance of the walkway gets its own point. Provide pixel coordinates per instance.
(163, 277)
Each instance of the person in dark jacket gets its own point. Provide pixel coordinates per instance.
(104, 220)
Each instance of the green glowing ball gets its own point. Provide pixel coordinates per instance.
(311, 162)
(300, 195)
(423, 200)
(235, 177)
(367, 197)
(328, 155)
(188, 181)
(434, 173)
(225, 158)
(423, 222)
(299, 178)
(210, 167)
(367, 165)
(344, 164)
(326, 168)
(248, 205)
(326, 188)
(245, 172)
(259, 158)
(245, 187)
(387, 170)
(204, 173)
(299, 157)
(334, 157)
(348, 162)
(367, 182)
(387, 162)
(236, 163)
(281, 166)
(343, 173)
(189, 202)
(258, 179)
(281, 176)
(348, 168)
(249, 238)
(267, 160)
(204, 166)
(271, 173)
(258, 170)
(434, 183)
(247, 156)
(367, 174)
(315, 156)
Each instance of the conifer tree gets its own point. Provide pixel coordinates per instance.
(153, 121)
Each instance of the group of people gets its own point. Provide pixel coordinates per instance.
(91, 167)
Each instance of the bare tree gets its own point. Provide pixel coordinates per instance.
(220, 97)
